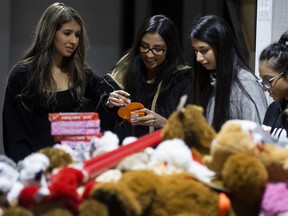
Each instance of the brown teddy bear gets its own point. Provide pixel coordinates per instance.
(234, 147)
(146, 193)
(244, 176)
(190, 125)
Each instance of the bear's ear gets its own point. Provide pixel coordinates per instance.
(245, 178)
(93, 207)
(174, 127)
(133, 194)
(118, 199)
(198, 132)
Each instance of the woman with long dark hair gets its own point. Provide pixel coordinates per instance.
(152, 72)
(223, 83)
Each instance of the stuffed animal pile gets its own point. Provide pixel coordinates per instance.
(192, 171)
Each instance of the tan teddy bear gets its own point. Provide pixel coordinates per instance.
(240, 136)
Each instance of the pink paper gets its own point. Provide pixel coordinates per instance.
(55, 131)
(76, 124)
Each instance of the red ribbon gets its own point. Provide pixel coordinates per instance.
(98, 164)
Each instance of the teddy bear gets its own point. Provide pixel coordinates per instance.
(237, 143)
(245, 179)
(190, 125)
(17, 211)
(142, 192)
(136, 191)
(242, 136)
(20, 211)
(245, 194)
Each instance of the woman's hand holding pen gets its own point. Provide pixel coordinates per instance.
(118, 98)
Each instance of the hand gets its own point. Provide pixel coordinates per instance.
(151, 119)
(118, 98)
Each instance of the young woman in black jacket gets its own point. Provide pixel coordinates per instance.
(154, 73)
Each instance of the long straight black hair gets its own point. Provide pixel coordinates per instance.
(216, 32)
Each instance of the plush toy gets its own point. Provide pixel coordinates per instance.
(245, 179)
(61, 192)
(245, 158)
(237, 154)
(57, 157)
(8, 178)
(146, 193)
(168, 157)
(17, 211)
(190, 125)
(92, 207)
(241, 136)
(275, 199)
(244, 176)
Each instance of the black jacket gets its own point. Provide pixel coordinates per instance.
(181, 85)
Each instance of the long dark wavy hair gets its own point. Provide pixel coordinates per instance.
(174, 57)
(216, 32)
(39, 57)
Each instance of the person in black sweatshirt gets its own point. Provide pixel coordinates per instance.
(53, 76)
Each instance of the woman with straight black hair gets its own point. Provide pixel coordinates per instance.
(152, 72)
(223, 83)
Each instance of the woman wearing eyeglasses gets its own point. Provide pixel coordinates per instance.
(154, 73)
(273, 68)
(224, 85)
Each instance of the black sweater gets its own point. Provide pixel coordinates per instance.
(26, 129)
(273, 118)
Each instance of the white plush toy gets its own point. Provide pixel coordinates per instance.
(177, 154)
(108, 142)
(8, 178)
(170, 156)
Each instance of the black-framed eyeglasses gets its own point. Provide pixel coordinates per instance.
(156, 51)
(267, 84)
